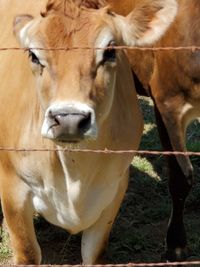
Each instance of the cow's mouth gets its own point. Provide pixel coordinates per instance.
(64, 141)
(67, 138)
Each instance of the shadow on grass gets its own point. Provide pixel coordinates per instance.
(151, 141)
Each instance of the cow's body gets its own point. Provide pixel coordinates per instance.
(76, 99)
(174, 79)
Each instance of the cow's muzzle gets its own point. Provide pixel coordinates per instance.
(69, 123)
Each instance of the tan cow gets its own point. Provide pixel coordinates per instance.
(55, 99)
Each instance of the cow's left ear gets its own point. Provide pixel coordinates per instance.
(19, 24)
(147, 22)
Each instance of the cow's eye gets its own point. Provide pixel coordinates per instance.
(109, 54)
(34, 58)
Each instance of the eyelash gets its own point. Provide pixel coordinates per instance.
(34, 58)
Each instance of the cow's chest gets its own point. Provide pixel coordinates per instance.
(72, 199)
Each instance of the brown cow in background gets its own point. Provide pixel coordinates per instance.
(172, 78)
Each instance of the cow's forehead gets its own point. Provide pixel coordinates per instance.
(60, 31)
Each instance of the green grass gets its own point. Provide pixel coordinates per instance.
(144, 165)
(5, 251)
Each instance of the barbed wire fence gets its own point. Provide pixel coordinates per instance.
(192, 49)
(154, 49)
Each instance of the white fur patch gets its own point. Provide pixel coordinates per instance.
(186, 108)
(160, 23)
(23, 35)
(103, 40)
(31, 43)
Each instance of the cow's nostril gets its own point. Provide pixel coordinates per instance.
(53, 118)
(61, 118)
(85, 122)
(56, 119)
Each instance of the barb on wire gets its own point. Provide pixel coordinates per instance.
(155, 49)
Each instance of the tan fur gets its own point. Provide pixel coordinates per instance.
(69, 7)
(175, 81)
(77, 191)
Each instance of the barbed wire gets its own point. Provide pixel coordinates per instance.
(155, 49)
(102, 151)
(160, 264)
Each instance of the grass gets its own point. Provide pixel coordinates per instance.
(139, 232)
(5, 251)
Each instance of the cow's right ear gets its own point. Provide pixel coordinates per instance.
(19, 26)
(147, 22)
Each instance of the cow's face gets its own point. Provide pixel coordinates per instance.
(76, 86)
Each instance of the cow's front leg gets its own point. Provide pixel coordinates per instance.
(18, 212)
(95, 238)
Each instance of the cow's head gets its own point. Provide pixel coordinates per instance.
(76, 87)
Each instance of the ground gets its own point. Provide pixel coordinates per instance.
(139, 231)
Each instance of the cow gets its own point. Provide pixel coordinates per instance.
(172, 79)
(175, 88)
(56, 100)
